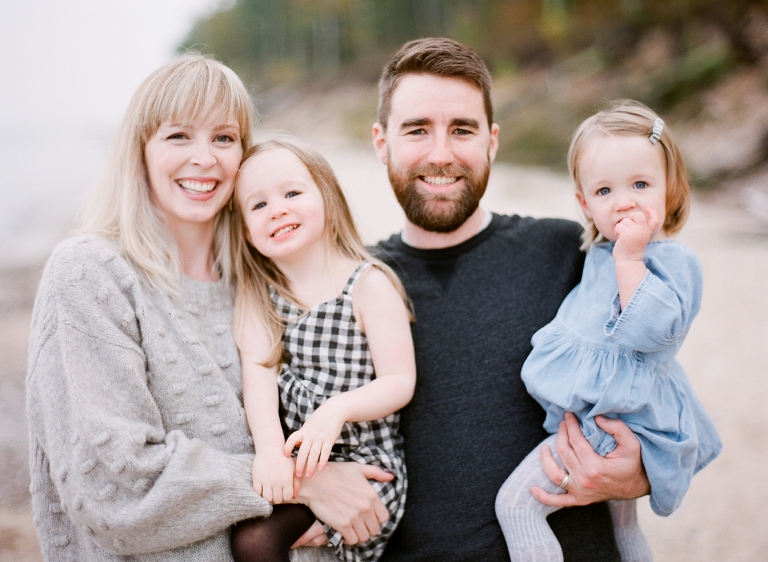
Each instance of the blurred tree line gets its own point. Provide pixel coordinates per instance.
(288, 39)
(571, 53)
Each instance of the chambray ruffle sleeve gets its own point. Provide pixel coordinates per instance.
(663, 306)
(595, 359)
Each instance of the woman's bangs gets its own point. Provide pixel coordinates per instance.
(205, 97)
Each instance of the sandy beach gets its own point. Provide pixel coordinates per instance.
(723, 517)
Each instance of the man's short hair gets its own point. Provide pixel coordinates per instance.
(438, 56)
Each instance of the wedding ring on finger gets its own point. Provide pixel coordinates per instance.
(566, 479)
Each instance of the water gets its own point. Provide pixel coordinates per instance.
(68, 70)
(48, 169)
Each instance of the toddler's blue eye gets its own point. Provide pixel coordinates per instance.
(640, 185)
(259, 205)
(604, 191)
(291, 194)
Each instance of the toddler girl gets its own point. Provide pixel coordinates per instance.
(611, 348)
(311, 297)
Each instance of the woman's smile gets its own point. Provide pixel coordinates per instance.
(191, 169)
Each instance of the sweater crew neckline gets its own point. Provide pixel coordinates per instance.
(203, 292)
(451, 251)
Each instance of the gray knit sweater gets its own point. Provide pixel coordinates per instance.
(139, 443)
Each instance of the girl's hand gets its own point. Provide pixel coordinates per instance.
(272, 475)
(316, 437)
(634, 232)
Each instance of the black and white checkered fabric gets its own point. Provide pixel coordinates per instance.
(327, 353)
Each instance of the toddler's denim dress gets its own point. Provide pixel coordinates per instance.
(594, 358)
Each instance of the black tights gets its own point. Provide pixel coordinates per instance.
(270, 539)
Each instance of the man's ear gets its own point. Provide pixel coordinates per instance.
(380, 143)
(493, 145)
(583, 203)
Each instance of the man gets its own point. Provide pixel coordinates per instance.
(481, 285)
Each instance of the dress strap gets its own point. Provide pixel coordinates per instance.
(355, 276)
(285, 308)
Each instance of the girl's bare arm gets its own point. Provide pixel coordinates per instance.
(634, 233)
(272, 470)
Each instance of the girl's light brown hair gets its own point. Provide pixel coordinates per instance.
(255, 273)
(626, 118)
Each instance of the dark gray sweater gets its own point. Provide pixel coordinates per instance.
(471, 420)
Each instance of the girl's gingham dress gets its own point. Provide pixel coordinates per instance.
(326, 354)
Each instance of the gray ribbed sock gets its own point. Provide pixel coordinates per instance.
(629, 538)
(522, 517)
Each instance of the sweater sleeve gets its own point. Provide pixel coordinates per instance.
(665, 303)
(129, 484)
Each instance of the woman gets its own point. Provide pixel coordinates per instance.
(139, 444)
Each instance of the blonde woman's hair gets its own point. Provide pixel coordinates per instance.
(627, 118)
(255, 273)
(190, 89)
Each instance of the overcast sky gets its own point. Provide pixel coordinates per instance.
(82, 59)
(67, 71)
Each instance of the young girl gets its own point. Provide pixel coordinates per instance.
(310, 295)
(610, 349)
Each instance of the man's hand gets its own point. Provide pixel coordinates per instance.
(314, 536)
(617, 476)
(342, 497)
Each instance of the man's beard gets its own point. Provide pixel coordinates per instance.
(439, 212)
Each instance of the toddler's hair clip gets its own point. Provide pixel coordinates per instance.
(658, 127)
